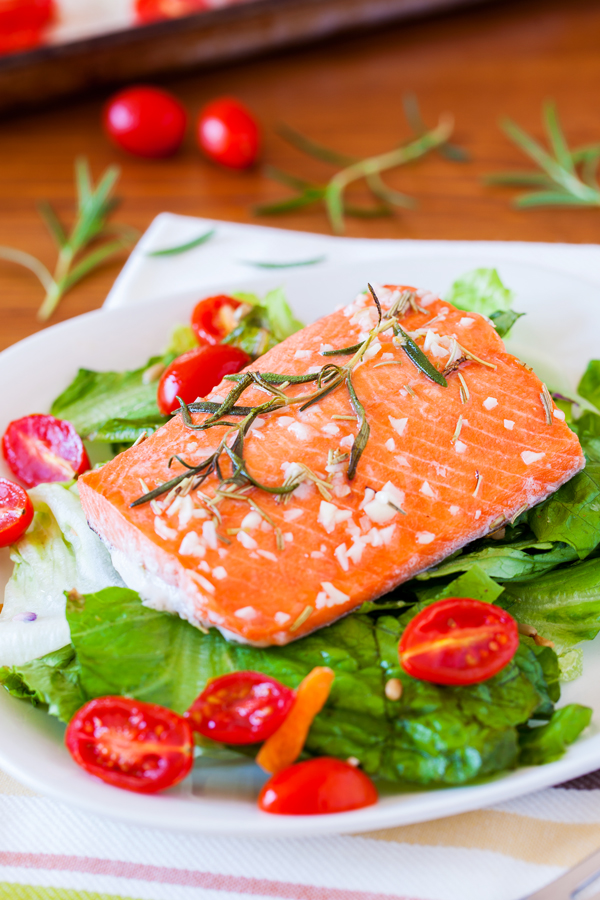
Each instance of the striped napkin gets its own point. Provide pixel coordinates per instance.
(50, 851)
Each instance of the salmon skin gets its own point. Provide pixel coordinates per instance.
(442, 467)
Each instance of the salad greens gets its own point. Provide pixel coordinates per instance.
(544, 569)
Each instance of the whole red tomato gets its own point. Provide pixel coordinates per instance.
(322, 785)
(458, 641)
(42, 448)
(16, 512)
(22, 23)
(145, 121)
(138, 746)
(156, 10)
(228, 133)
(213, 318)
(196, 372)
(241, 708)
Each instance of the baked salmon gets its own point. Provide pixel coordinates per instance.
(441, 466)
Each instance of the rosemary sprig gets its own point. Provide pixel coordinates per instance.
(333, 193)
(559, 182)
(94, 206)
(183, 248)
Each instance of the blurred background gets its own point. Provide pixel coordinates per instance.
(362, 78)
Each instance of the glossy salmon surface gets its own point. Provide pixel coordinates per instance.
(442, 466)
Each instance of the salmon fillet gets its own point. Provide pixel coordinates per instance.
(442, 467)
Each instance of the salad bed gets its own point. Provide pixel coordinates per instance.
(543, 569)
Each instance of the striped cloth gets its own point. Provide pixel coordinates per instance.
(50, 851)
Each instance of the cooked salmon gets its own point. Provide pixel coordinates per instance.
(442, 466)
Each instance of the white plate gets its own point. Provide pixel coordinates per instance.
(561, 331)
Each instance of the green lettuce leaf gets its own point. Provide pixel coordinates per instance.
(480, 291)
(111, 406)
(475, 583)
(51, 681)
(548, 742)
(504, 319)
(268, 322)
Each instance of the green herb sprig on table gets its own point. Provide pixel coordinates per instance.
(351, 170)
(91, 232)
(567, 177)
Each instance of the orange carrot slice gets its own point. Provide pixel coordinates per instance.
(285, 745)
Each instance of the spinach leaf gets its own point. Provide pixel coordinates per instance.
(572, 514)
(507, 561)
(480, 291)
(548, 742)
(589, 386)
(563, 605)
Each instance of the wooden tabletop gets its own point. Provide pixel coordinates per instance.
(480, 64)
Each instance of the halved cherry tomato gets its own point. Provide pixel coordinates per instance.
(22, 23)
(145, 121)
(16, 512)
(322, 785)
(155, 10)
(42, 448)
(228, 133)
(458, 641)
(196, 372)
(214, 317)
(133, 745)
(241, 708)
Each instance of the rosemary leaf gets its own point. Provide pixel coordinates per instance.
(52, 223)
(183, 248)
(517, 178)
(549, 198)
(284, 265)
(364, 430)
(343, 351)
(376, 302)
(283, 206)
(557, 138)
(416, 356)
(207, 406)
(278, 378)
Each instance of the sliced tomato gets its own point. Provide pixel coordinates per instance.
(196, 372)
(41, 448)
(322, 785)
(241, 708)
(458, 641)
(214, 317)
(22, 23)
(156, 10)
(133, 745)
(16, 512)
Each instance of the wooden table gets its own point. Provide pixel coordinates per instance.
(480, 65)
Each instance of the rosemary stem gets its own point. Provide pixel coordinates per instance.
(337, 185)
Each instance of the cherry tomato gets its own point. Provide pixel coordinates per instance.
(241, 708)
(322, 785)
(16, 512)
(458, 641)
(133, 745)
(213, 318)
(228, 134)
(145, 121)
(42, 448)
(155, 10)
(196, 372)
(22, 23)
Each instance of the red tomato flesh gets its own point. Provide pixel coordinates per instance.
(322, 785)
(145, 121)
(213, 318)
(228, 133)
(155, 10)
(458, 641)
(41, 448)
(16, 512)
(133, 745)
(22, 23)
(196, 372)
(241, 708)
